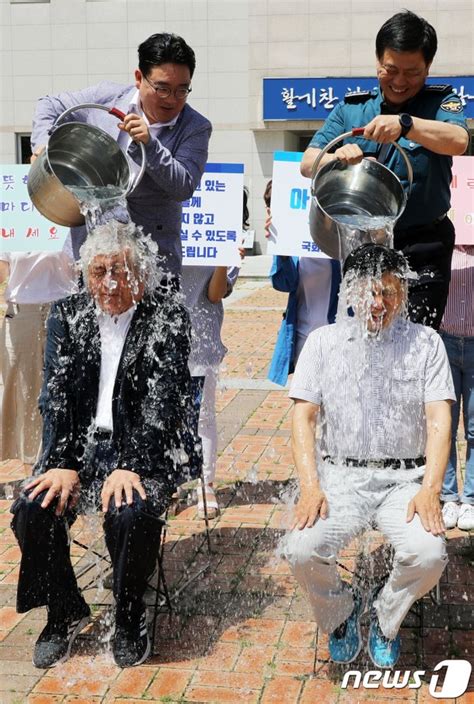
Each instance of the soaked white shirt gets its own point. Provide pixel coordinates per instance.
(372, 390)
(113, 331)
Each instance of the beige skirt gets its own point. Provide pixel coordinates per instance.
(22, 339)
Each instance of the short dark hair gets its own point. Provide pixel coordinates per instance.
(375, 259)
(267, 195)
(165, 48)
(405, 31)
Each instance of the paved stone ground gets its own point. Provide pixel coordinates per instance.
(240, 631)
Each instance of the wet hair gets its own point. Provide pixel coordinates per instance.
(115, 237)
(165, 48)
(406, 31)
(267, 195)
(374, 260)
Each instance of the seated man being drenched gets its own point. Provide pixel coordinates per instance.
(115, 404)
(382, 388)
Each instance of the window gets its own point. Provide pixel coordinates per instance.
(23, 148)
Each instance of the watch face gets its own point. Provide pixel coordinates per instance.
(406, 122)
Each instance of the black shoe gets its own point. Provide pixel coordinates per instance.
(132, 644)
(55, 640)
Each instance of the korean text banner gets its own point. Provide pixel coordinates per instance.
(462, 199)
(211, 226)
(211, 229)
(22, 227)
(314, 98)
(291, 199)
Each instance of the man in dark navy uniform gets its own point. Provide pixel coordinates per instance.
(428, 122)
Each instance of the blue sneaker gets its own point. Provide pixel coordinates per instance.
(345, 643)
(383, 652)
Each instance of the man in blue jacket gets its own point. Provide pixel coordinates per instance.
(119, 434)
(428, 122)
(175, 136)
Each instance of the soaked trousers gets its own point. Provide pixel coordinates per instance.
(359, 498)
(132, 535)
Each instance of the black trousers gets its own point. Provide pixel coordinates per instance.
(132, 535)
(428, 249)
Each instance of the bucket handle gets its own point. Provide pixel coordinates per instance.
(133, 183)
(357, 132)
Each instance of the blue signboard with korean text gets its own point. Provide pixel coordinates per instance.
(314, 98)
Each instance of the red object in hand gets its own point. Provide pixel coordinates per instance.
(118, 113)
(356, 132)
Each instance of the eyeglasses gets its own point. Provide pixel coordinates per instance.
(386, 293)
(163, 91)
(116, 271)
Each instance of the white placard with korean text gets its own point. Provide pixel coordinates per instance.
(211, 225)
(291, 199)
(22, 227)
(462, 199)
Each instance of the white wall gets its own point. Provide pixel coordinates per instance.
(67, 44)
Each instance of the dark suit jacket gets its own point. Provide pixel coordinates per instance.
(152, 400)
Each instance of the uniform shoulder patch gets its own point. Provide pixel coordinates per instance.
(438, 88)
(452, 104)
(354, 97)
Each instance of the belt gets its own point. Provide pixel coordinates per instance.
(409, 463)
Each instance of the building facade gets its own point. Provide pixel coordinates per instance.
(48, 46)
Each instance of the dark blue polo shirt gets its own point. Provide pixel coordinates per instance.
(430, 194)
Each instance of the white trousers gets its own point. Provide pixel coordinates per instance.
(208, 426)
(22, 340)
(358, 498)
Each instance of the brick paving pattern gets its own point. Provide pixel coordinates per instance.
(241, 630)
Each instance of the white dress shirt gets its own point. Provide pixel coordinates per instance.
(113, 331)
(372, 389)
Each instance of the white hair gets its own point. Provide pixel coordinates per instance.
(114, 237)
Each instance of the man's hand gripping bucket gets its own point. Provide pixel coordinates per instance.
(368, 190)
(81, 156)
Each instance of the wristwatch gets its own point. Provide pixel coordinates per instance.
(406, 123)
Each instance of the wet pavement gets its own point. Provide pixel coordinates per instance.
(240, 629)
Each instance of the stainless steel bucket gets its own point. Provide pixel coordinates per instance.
(367, 189)
(79, 155)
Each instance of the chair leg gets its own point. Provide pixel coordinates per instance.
(161, 585)
(206, 517)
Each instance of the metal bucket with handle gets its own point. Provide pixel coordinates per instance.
(368, 191)
(84, 157)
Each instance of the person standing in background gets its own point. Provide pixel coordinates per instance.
(457, 331)
(312, 284)
(175, 137)
(35, 279)
(204, 287)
